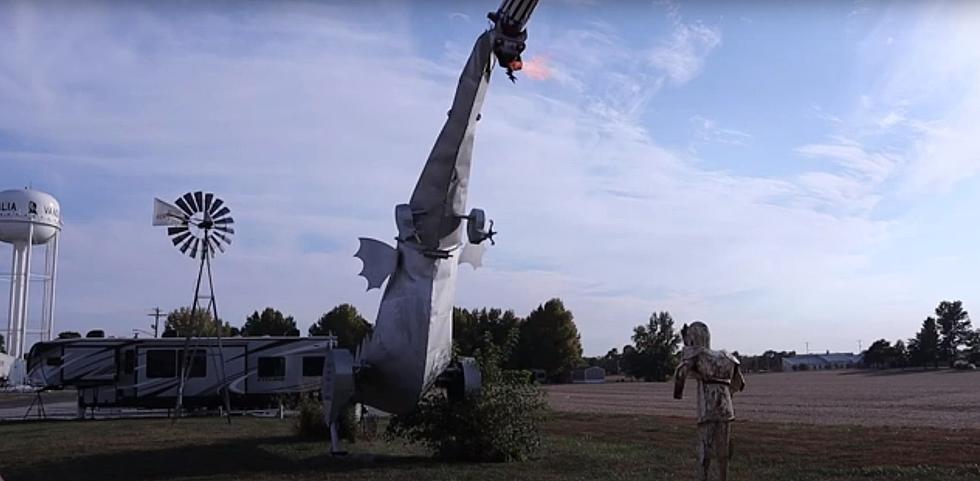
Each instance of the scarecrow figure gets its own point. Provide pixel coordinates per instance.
(718, 377)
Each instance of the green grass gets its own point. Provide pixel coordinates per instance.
(576, 447)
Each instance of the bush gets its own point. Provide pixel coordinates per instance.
(499, 424)
(309, 423)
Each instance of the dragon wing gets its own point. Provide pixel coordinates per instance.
(472, 254)
(380, 261)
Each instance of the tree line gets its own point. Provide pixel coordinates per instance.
(342, 321)
(946, 338)
(546, 340)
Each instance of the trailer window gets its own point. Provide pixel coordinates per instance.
(129, 361)
(313, 366)
(55, 361)
(161, 363)
(199, 364)
(272, 367)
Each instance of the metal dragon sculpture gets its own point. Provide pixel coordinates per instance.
(410, 348)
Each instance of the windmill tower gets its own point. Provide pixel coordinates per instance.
(199, 225)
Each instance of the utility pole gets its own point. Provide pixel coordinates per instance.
(156, 315)
(807, 343)
(859, 346)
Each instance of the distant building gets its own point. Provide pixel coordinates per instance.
(817, 362)
(589, 375)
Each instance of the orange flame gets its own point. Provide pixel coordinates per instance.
(537, 68)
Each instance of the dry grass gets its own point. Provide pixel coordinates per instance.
(942, 399)
(578, 445)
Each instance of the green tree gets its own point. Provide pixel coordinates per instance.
(270, 322)
(954, 329)
(180, 323)
(95, 333)
(68, 335)
(344, 322)
(654, 356)
(3, 347)
(924, 347)
(973, 345)
(549, 340)
(878, 354)
(466, 334)
(899, 355)
(471, 329)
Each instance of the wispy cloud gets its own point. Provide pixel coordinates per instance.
(926, 91)
(682, 56)
(852, 156)
(313, 121)
(708, 130)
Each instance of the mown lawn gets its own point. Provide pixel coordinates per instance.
(578, 446)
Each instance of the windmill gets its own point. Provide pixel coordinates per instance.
(199, 225)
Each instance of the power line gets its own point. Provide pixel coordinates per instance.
(156, 315)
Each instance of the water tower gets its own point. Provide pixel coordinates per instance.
(29, 218)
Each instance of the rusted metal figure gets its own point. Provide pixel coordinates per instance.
(718, 378)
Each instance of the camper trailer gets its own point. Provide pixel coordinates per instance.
(146, 373)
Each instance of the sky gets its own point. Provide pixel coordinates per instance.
(796, 175)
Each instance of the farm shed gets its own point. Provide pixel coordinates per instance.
(594, 374)
(813, 362)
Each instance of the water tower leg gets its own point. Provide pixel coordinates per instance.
(17, 302)
(51, 277)
(12, 307)
(26, 287)
(45, 285)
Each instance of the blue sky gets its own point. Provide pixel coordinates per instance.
(788, 174)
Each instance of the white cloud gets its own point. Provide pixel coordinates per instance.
(682, 56)
(308, 123)
(927, 90)
(874, 167)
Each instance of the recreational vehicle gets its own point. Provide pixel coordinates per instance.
(146, 373)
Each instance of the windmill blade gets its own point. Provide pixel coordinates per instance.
(221, 213)
(215, 244)
(220, 236)
(167, 214)
(184, 207)
(197, 243)
(187, 245)
(189, 198)
(180, 238)
(217, 204)
(199, 199)
(214, 233)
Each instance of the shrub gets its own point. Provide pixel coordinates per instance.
(309, 423)
(498, 424)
